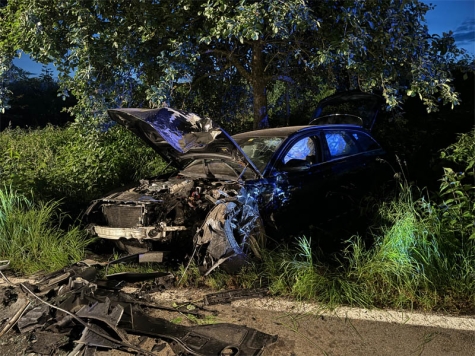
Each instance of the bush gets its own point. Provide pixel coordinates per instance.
(457, 189)
(73, 164)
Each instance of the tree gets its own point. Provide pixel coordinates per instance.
(121, 53)
(34, 102)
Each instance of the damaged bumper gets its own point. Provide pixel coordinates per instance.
(138, 233)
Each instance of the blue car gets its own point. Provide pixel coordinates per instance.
(228, 190)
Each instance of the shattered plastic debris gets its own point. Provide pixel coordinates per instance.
(33, 318)
(88, 318)
(5, 264)
(229, 296)
(15, 307)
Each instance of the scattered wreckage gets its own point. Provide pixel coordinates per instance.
(73, 311)
(227, 190)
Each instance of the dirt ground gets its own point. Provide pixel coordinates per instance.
(307, 329)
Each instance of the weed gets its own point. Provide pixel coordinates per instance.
(207, 320)
(189, 275)
(133, 268)
(177, 320)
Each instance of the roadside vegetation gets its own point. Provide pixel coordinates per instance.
(74, 164)
(422, 253)
(30, 237)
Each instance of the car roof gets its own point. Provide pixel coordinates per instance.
(289, 130)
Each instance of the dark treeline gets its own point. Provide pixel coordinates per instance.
(35, 103)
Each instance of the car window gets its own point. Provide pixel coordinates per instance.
(340, 144)
(365, 142)
(260, 149)
(303, 149)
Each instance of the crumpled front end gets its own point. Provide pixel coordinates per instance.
(219, 218)
(227, 230)
(151, 211)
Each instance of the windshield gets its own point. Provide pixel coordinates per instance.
(218, 169)
(260, 149)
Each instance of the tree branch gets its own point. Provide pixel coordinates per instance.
(234, 61)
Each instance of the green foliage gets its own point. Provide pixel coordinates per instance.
(295, 104)
(457, 211)
(30, 240)
(5, 77)
(73, 164)
(107, 56)
(462, 153)
(189, 276)
(132, 268)
(457, 189)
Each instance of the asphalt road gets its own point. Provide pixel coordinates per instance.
(307, 329)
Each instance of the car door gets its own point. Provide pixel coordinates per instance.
(299, 178)
(352, 160)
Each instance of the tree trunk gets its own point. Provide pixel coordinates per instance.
(259, 87)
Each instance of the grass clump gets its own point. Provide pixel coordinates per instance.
(30, 240)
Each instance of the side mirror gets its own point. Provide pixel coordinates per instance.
(295, 165)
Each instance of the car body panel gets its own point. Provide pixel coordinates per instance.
(350, 107)
(184, 132)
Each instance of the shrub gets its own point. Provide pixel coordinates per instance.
(457, 189)
(73, 164)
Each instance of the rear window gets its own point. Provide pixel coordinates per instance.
(340, 144)
(346, 143)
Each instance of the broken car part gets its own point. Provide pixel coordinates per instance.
(107, 318)
(5, 264)
(231, 295)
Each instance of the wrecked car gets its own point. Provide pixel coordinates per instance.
(227, 190)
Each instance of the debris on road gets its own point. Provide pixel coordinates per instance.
(75, 311)
(232, 295)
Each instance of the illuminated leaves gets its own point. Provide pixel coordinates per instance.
(121, 53)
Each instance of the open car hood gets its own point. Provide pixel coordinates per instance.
(350, 107)
(177, 136)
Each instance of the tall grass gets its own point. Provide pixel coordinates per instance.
(30, 239)
(412, 263)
